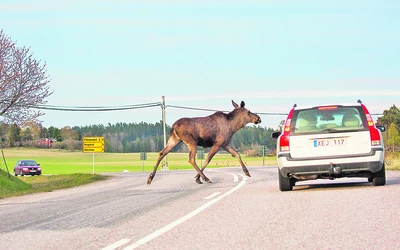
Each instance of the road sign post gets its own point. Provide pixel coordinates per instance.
(93, 145)
(200, 155)
(263, 151)
(143, 157)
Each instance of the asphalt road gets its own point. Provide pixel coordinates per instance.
(233, 212)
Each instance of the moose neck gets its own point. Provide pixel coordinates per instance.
(236, 122)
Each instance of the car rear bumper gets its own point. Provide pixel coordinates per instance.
(333, 169)
(334, 166)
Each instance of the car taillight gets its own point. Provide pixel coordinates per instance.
(373, 131)
(284, 138)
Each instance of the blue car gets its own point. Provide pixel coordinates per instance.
(27, 167)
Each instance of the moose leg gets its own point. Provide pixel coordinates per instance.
(192, 160)
(235, 153)
(172, 142)
(214, 149)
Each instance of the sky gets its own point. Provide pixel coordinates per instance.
(202, 54)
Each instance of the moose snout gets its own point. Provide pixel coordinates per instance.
(258, 120)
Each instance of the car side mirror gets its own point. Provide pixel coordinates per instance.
(381, 128)
(275, 135)
(38, 164)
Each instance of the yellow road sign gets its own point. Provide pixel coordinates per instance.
(93, 139)
(93, 150)
(93, 144)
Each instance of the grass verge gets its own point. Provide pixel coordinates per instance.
(16, 186)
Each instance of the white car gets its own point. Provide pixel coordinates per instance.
(328, 142)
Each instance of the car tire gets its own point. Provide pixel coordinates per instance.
(15, 173)
(285, 184)
(379, 178)
(21, 173)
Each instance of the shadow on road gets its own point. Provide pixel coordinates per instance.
(342, 183)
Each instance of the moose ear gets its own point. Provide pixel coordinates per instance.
(235, 104)
(242, 104)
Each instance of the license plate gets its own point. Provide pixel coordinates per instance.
(33, 171)
(329, 142)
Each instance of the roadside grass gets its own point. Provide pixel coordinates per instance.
(393, 165)
(16, 186)
(12, 186)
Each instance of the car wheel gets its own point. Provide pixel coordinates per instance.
(285, 184)
(15, 173)
(21, 173)
(379, 178)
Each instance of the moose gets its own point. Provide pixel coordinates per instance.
(214, 131)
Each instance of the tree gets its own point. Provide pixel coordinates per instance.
(394, 138)
(24, 83)
(54, 133)
(26, 134)
(390, 116)
(36, 128)
(68, 133)
(14, 137)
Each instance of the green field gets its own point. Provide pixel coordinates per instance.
(67, 162)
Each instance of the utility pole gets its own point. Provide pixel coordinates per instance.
(4, 159)
(165, 131)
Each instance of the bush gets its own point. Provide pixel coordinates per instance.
(68, 144)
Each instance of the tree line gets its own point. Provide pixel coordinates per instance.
(120, 137)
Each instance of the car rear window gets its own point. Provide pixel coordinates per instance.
(327, 119)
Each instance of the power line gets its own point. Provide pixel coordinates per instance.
(201, 109)
(97, 108)
(213, 110)
(139, 106)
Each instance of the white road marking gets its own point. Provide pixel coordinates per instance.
(235, 177)
(116, 244)
(212, 195)
(173, 224)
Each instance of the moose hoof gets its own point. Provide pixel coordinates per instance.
(150, 179)
(246, 172)
(198, 181)
(207, 180)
